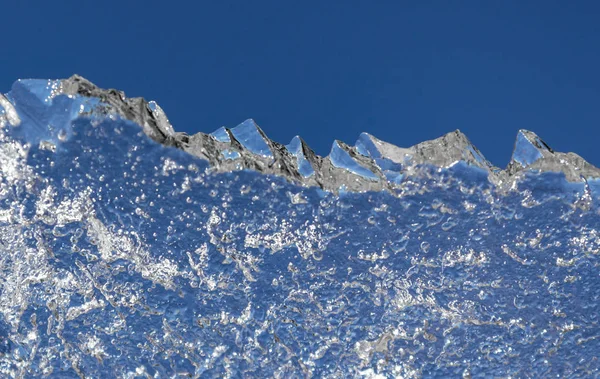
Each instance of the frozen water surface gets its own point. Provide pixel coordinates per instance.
(121, 257)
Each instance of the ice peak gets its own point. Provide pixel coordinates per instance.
(365, 145)
(251, 136)
(221, 135)
(529, 148)
(370, 165)
(343, 156)
(448, 149)
(370, 146)
(532, 153)
(298, 148)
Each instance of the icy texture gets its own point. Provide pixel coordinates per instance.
(528, 148)
(221, 135)
(296, 148)
(252, 138)
(124, 257)
(340, 157)
(371, 165)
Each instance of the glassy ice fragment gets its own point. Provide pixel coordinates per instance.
(252, 138)
(366, 146)
(341, 158)
(295, 148)
(48, 114)
(44, 90)
(230, 154)
(221, 135)
(387, 156)
(529, 148)
(477, 155)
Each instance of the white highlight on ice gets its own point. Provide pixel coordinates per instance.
(11, 112)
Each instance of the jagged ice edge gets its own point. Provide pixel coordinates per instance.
(370, 165)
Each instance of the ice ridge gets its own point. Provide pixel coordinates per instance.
(371, 164)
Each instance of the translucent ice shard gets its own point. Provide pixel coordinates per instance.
(529, 148)
(296, 147)
(221, 135)
(252, 138)
(387, 156)
(44, 90)
(372, 147)
(532, 153)
(48, 114)
(230, 154)
(341, 157)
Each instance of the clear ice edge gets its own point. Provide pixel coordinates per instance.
(371, 164)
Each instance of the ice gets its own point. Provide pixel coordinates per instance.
(44, 90)
(295, 147)
(366, 146)
(229, 154)
(40, 105)
(340, 157)
(221, 135)
(375, 148)
(156, 254)
(252, 138)
(9, 110)
(528, 148)
(450, 148)
(531, 153)
(387, 156)
(160, 115)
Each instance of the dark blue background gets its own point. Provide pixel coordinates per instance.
(331, 69)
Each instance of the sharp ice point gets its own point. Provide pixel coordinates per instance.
(249, 134)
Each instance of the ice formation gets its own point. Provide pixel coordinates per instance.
(130, 250)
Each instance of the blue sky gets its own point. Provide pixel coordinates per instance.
(405, 72)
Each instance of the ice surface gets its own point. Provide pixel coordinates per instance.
(341, 158)
(372, 147)
(229, 154)
(296, 148)
(532, 153)
(387, 157)
(390, 164)
(221, 135)
(252, 138)
(161, 117)
(126, 251)
(528, 148)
